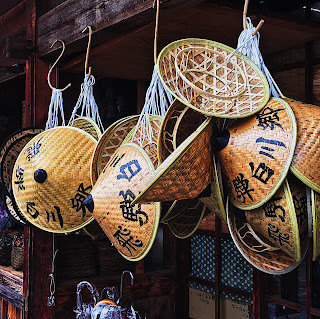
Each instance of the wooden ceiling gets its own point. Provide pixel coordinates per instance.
(130, 56)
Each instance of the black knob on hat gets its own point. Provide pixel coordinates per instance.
(40, 175)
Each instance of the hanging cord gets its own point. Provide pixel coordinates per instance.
(248, 45)
(86, 100)
(87, 103)
(51, 298)
(56, 103)
(158, 98)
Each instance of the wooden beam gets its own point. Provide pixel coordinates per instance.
(12, 69)
(109, 20)
(13, 20)
(17, 48)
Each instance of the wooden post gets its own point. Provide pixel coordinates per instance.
(217, 260)
(38, 243)
(309, 72)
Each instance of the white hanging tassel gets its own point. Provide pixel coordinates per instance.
(248, 45)
(157, 101)
(87, 103)
(56, 105)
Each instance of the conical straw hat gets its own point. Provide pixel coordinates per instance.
(315, 198)
(215, 202)
(305, 164)
(131, 228)
(54, 168)
(178, 124)
(14, 211)
(256, 154)
(259, 250)
(192, 212)
(185, 173)
(88, 125)
(9, 152)
(109, 142)
(150, 147)
(198, 73)
(282, 218)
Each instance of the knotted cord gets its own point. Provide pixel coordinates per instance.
(158, 98)
(87, 103)
(51, 298)
(248, 45)
(56, 105)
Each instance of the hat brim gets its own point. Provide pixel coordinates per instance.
(204, 95)
(185, 173)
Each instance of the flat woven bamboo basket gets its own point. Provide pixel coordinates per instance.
(275, 239)
(191, 213)
(89, 126)
(131, 228)
(198, 73)
(109, 142)
(315, 197)
(54, 169)
(305, 164)
(185, 173)
(256, 154)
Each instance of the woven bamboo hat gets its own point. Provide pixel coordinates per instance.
(178, 124)
(185, 173)
(131, 228)
(186, 222)
(274, 237)
(88, 125)
(315, 199)
(215, 202)
(54, 169)
(150, 147)
(305, 164)
(256, 154)
(9, 152)
(109, 142)
(198, 73)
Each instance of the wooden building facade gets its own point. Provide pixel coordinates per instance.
(121, 58)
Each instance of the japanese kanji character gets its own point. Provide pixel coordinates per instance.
(272, 210)
(272, 142)
(129, 170)
(19, 176)
(241, 186)
(80, 196)
(128, 210)
(268, 118)
(128, 242)
(263, 172)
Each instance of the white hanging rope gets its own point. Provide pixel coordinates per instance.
(87, 103)
(157, 101)
(248, 45)
(51, 298)
(56, 105)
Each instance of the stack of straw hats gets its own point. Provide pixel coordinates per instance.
(223, 147)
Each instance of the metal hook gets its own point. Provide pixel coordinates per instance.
(55, 63)
(88, 51)
(156, 30)
(121, 286)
